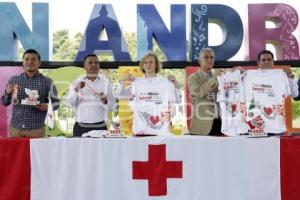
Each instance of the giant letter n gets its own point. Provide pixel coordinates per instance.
(14, 28)
(150, 25)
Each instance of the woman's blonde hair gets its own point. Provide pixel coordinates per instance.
(157, 63)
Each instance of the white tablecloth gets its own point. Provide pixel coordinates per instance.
(213, 168)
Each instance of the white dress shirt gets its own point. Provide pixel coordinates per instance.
(89, 107)
(294, 87)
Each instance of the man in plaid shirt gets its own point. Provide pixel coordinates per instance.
(29, 92)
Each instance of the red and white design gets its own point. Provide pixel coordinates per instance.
(115, 129)
(157, 170)
(104, 168)
(268, 111)
(279, 109)
(151, 105)
(231, 97)
(256, 126)
(101, 169)
(265, 98)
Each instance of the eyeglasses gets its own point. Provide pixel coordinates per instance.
(208, 57)
(266, 59)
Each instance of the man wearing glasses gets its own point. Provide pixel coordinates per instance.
(203, 86)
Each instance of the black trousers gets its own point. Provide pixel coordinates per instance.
(216, 128)
(81, 128)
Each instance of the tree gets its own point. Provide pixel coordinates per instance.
(131, 43)
(64, 47)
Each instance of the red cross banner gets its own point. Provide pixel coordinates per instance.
(157, 170)
(162, 168)
(168, 168)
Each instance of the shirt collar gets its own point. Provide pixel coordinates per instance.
(86, 78)
(207, 75)
(24, 75)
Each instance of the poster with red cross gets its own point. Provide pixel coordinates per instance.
(156, 168)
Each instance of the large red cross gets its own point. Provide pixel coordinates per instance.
(157, 170)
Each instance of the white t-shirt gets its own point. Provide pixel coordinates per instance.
(231, 99)
(151, 104)
(265, 92)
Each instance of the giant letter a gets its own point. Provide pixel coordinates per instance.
(103, 18)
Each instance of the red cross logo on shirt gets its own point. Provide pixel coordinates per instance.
(157, 170)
